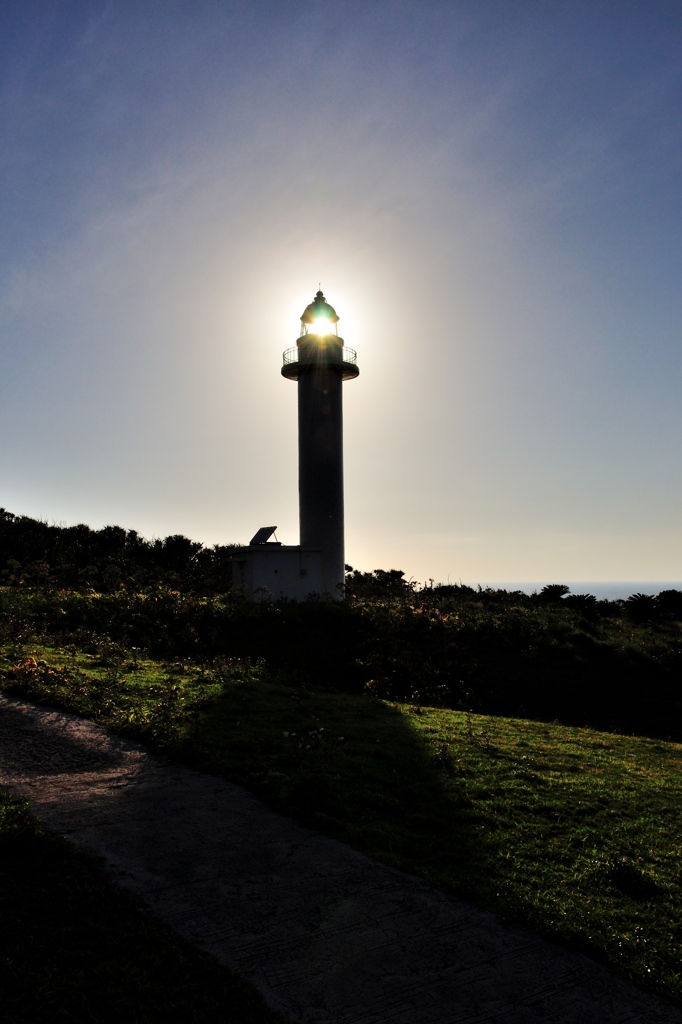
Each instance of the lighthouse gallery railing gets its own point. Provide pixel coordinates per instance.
(292, 355)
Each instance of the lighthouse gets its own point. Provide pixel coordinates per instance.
(265, 569)
(320, 363)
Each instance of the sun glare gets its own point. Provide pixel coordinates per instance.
(320, 326)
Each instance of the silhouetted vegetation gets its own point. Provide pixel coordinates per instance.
(34, 553)
(548, 656)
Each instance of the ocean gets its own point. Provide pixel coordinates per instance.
(602, 589)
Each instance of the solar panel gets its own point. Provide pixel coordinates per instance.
(263, 535)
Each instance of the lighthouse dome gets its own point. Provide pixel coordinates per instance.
(319, 309)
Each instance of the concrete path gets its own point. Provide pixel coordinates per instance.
(326, 934)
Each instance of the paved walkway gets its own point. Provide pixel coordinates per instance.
(326, 934)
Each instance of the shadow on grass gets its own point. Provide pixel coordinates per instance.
(354, 768)
(351, 767)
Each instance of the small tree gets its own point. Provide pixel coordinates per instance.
(380, 583)
(670, 603)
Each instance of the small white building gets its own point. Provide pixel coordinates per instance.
(266, 570)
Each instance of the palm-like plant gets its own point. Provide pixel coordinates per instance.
(641, 607)
(553, 593)
(586, 604)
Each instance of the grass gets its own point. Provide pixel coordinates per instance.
(576, 832)
(74, 947)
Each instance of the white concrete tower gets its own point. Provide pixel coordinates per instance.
(320, 364)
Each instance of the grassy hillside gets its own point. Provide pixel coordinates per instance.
(606, 665)
(574, 831)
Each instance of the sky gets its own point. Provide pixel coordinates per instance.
(489, 193)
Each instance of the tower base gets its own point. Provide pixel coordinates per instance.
(278, 572)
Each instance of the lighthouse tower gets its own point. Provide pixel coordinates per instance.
(320, 364)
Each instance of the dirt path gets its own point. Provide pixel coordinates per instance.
(326, 934)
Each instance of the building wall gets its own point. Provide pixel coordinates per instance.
(275, 571)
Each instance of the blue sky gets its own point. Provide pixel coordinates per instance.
(489, 193)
